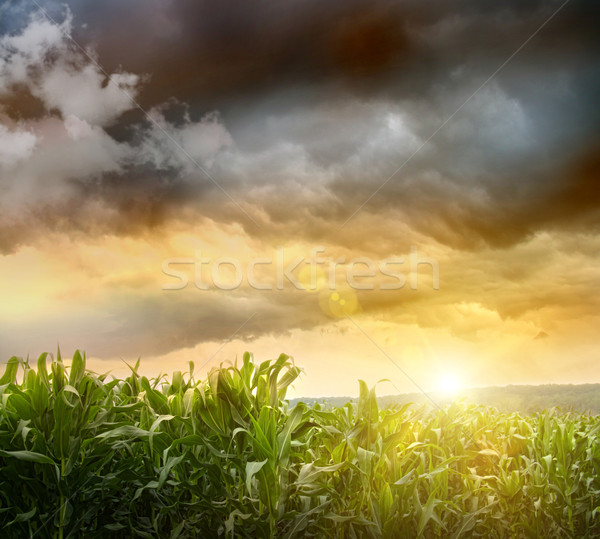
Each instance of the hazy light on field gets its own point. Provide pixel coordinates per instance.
(449, 383)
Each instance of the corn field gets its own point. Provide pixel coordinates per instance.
(87, 455)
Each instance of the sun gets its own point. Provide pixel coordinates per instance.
(449, 383)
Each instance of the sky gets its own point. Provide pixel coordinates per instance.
(400, 190)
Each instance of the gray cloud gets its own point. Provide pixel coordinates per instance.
(323, 114)
(301, 111)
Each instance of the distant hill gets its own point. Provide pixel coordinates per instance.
(527, 399)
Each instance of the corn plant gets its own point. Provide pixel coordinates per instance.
(88, 455)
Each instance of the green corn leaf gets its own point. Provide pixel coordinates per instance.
(29, 456)
(10, 371)
(252, 468)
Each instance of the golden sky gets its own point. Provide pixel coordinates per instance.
(365, 134)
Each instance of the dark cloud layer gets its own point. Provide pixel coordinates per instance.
(304, 88)
(220, 55)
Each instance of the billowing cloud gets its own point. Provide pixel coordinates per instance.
(492, 176)
(42, 59)
(15, 145)
(182, 147)
(62, 159)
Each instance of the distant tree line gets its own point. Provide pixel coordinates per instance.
(526, 399)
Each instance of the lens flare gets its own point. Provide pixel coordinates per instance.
(339, 303)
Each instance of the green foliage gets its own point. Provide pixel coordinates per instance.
(82, 455)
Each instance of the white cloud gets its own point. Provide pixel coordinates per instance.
(64, 150)
(21, 52)
(15, 146)
(166, 145)
(43, 58)
(77, 128)
(80, 91)
(48, 155)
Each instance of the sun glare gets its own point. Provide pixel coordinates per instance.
(449, 383)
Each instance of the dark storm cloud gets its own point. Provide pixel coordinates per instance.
(323, 101)
(202, 317)
(159, 323)
(213, 55)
